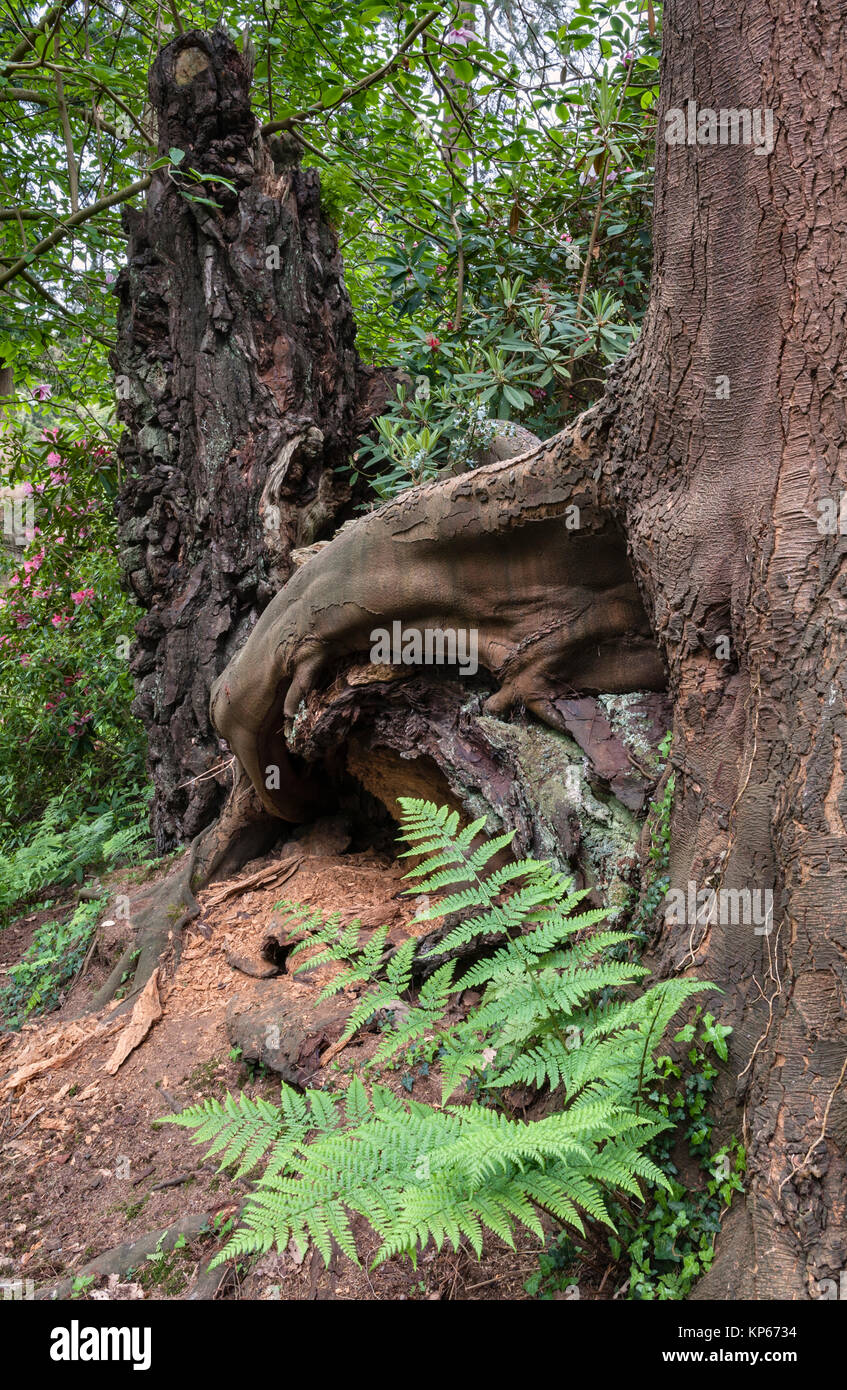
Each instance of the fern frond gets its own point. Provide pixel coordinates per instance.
(553, 1013)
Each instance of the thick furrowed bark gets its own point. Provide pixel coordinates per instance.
(719, 491)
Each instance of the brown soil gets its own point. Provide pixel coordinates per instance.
(81, 1165)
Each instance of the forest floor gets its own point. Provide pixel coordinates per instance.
(83, 1169)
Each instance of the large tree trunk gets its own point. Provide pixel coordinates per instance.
(719, 499)
(698, 522)
(242, 391)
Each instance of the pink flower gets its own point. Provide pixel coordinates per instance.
(54, 459)
(82, 594)
(110, 277)
(26, 659)
(42, 392)
(60, 620)
(459, 36)
(433, 343)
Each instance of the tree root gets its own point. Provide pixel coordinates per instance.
(160, 915)
(125, 1258)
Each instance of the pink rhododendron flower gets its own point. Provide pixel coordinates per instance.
(82, 594)
(42, 392)
(54, 459)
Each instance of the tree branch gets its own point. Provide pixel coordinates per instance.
(321, 107)
(120, 196)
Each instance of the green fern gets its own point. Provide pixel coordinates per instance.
(59, 852)
(554, 1013)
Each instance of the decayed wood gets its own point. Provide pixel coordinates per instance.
(261, 879)
(241, 390)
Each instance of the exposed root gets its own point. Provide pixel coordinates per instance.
(160, 915)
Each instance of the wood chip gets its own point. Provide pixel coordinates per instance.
(147, 1011)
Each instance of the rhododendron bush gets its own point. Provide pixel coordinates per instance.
(65, 631)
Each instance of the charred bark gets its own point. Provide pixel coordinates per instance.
(241, 390)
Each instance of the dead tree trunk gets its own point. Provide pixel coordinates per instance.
(707, 480)
(239, 384)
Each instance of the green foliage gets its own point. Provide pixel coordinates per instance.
(558, 1265)
(551, 1012)
(665, 1246)
(65, 629)
(544, 183)
(670, 1243)
(49, 964)
(166, 1270)
(61, 850)
(511, 360)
